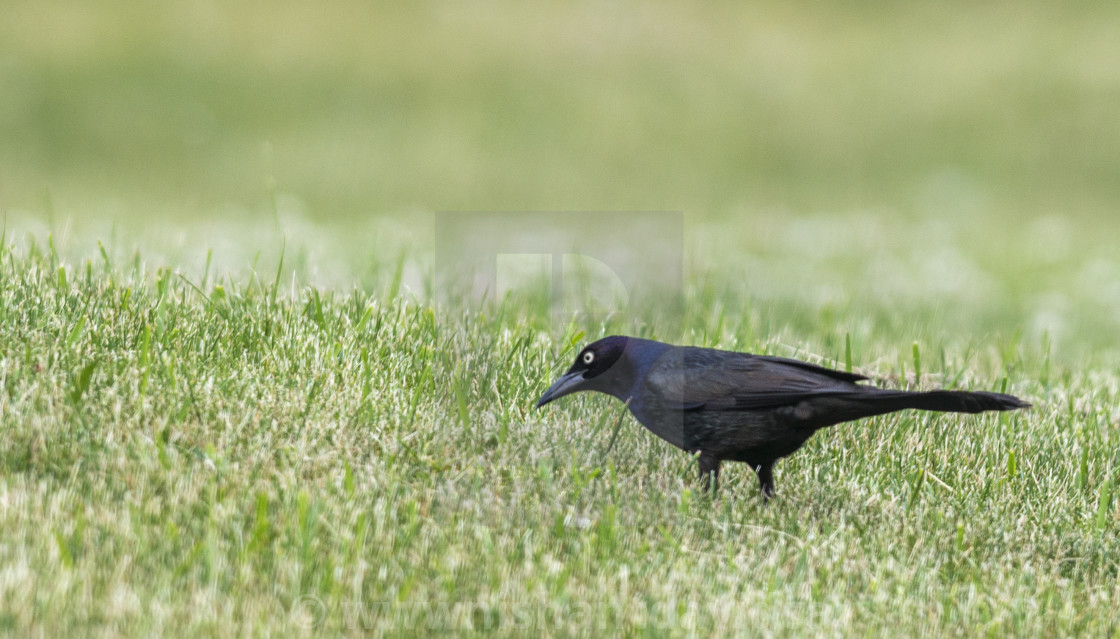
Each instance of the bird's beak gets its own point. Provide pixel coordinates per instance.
(566, 385)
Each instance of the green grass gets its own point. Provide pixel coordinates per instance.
(232, 401)
(360, 110)
(185, 453)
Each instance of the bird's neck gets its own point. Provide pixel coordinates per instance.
(627, 375)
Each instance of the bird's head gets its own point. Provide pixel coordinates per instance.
(601, 366)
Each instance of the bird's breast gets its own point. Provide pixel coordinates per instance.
(667, 424)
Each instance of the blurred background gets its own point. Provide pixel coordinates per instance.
(832, 152)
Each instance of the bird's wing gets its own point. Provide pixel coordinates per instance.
(704, 379)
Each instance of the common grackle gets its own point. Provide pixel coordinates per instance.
(732, 406)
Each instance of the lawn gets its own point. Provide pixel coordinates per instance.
(236, 400)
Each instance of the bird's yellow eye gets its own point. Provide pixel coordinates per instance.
(588, 357)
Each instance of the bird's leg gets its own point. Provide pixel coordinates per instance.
(766, 479)
(709, 472)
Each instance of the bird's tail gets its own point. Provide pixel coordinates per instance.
(885, 401)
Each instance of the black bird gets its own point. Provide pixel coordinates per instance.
(724, 405)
